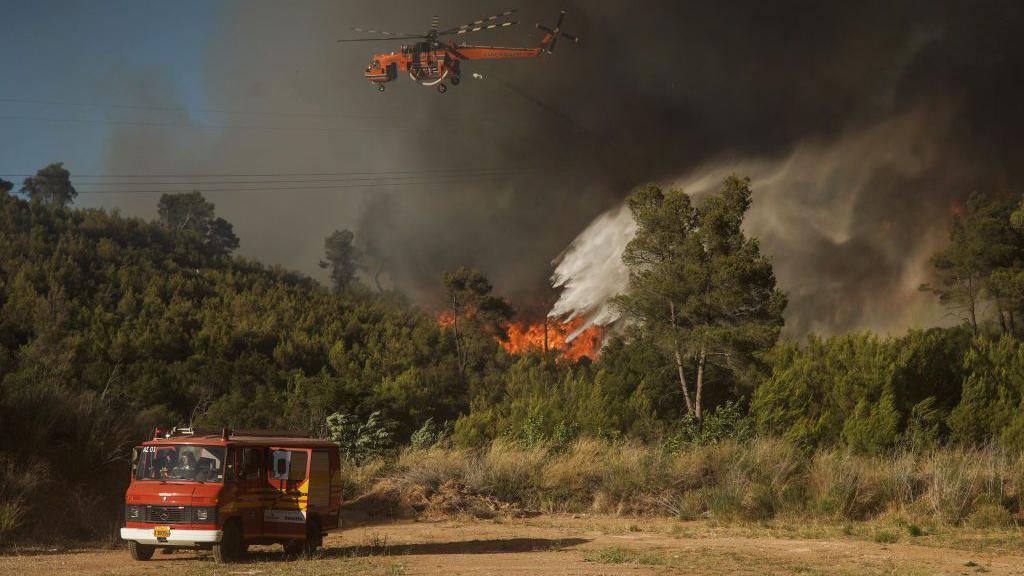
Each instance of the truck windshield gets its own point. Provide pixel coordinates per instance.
(181, 463)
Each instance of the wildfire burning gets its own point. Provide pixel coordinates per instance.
(552, 335)
(546, 336)
(445, 319)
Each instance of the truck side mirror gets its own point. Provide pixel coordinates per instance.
(135, 460)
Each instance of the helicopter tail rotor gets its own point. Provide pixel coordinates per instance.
(553, 34)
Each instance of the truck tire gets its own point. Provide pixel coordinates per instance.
(140, 552)
(231, 548)
(306, 548)
(314, 534)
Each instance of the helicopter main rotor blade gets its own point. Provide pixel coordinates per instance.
(380, 39)
(572, 37)
(478, 24)
(479, 28)
(381, 32)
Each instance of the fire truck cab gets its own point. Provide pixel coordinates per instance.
(226, 490)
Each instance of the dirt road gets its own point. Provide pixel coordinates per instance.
(559, 545)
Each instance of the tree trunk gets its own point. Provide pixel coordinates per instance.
(698, 410)
(545, 336)
(679, 362)
(1013, 327)
(376, 277)
(971, 306)
(682, 380)
(455, 331)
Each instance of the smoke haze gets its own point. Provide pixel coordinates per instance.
(829, 216)
(861, 125)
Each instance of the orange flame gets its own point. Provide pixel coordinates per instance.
(545, 336)
(445, 319)
(551, 336)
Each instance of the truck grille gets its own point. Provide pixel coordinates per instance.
(167, 514)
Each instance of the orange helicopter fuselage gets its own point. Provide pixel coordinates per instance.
(430, 64)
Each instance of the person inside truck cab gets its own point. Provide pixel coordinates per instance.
(187, 467)
(167, 460)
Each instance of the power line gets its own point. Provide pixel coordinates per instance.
(224, 111)
(299, 188)
(264, 182)
(212, 126)
(193, 110)
(303, 175)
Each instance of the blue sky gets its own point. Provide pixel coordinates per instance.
(59, 58)
(237, 86)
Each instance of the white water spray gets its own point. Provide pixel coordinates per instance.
(590, 271)
(805, 212)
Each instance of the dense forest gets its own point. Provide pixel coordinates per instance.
(111, 325)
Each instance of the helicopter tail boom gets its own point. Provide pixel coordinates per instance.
(547, 45)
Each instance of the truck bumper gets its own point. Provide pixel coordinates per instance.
(177, 537)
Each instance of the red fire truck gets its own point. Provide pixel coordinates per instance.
(226, 490)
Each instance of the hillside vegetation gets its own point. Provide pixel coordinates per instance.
(110, 326)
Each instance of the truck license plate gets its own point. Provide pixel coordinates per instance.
(161, 531)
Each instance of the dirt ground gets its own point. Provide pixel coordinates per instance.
(571, 546)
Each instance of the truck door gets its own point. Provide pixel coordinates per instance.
(251, 491)
(289, 474)
(319, 496)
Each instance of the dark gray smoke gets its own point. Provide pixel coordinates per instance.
(666, 91)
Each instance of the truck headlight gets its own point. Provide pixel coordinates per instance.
(134, 512)
(205, 514)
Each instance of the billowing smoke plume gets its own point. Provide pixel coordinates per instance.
(860, 123)
(842, 263)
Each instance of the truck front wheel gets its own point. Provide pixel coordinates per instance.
(140, 552)
(230, 548)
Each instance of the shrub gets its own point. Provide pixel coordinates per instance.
(434, 467)
(845, 486)
(357, 480)
(570, 481)
(990, 404)
(958, 479)
(12, 513)
(869, 393)
(886, 537)
(430, 434)
(768, 474)
(632, 474)
(726, 422)
(359, 441)
(757, 480)
(620, 555)
(511, 473)
(989, 516)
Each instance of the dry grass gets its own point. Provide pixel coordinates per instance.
(754, 481)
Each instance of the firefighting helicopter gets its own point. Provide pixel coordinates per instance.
(431, 61)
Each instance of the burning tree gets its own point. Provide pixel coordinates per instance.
(698, 285)
(473, 309)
